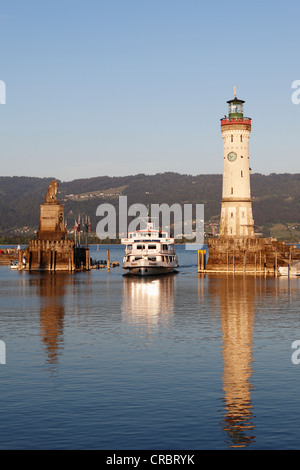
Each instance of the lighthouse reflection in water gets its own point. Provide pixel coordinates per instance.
(237, 316)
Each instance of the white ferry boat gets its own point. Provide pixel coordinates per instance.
(149, 252)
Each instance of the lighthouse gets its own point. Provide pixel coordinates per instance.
(236, 210)
(237, 250)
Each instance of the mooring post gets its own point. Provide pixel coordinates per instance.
(108, 261)
(201, 260)
(260, 262)
(20, 260)
(87, 260)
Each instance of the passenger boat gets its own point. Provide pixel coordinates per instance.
(149, 252)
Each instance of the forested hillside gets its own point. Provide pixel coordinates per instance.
(276, 198)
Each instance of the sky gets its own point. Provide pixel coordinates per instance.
(121, 87)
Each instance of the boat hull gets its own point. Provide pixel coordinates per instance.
(285, 271)
(149, 271)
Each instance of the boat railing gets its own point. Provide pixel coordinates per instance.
(146, 251)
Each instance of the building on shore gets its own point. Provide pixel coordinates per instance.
(236, 249)
(51, 250)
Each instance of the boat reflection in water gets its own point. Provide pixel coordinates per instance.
(148, 300)
(236, 295)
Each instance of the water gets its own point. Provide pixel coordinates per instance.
(102, 361)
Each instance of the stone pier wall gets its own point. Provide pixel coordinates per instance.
(7, 255)
(61, 255)
(263, 255)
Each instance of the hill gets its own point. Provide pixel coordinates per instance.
(276, 199)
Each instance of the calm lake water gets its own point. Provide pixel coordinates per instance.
(100, 360)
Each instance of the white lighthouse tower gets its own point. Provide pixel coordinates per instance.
(236, 212)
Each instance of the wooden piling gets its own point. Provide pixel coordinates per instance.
(87, 260)
(260, 261)
(108, 260)
(201, 260)
(20, 260)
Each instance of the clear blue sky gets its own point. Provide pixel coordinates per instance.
(119, 87)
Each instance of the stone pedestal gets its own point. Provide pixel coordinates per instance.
(52, 222)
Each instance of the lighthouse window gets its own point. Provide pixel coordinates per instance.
(231, 190)
(231, 215)
(231, 138)
(242, 173)
(241, 138)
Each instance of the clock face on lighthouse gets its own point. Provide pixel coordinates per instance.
(232, 156)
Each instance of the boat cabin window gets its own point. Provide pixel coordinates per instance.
(165, 247)
(129, 247)
(140, 247)
(152, 247)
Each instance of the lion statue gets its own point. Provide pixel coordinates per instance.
(52, 191)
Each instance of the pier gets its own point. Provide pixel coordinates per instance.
(7, 255)
(52, 250)
(246, 256)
